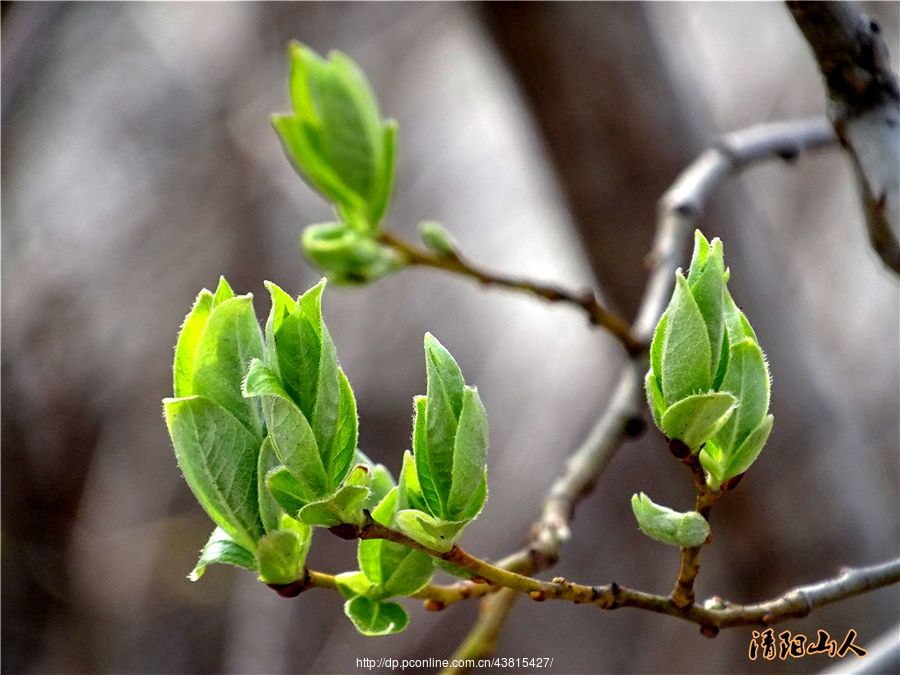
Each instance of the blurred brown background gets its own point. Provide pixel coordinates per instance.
(139, 165)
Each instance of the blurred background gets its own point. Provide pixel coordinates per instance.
(139, 165)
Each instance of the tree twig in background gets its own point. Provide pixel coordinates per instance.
(680, 210)
(482, 639)
(864, 107)
(454, 262)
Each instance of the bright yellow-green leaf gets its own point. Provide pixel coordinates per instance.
(374, 618)
(695, 419)
(686, 353)
(218, 457)
(221, 549)
(667, 526)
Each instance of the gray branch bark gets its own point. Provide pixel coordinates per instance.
(864, 107)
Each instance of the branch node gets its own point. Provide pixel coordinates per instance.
(293, 589)
(679, 449)
(346, 531)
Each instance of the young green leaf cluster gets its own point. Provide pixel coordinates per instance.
(708, 383)
(337, 141)
(450, 438)
(386, 569)
(265, 430)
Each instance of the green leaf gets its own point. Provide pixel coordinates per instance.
(722, 467)
(406, 571)
(223, 550)
(186, 347)
(656, 351)
(736, 323)
(336, 138)
(708, 288)
(373, 618)
(469, 454)
(424, 483)
(749, 450)
(326, 413)
(230, 340)
(695, 419)
(444, 377)
(444, 399)
(409, 495)
(477, 500)
(394, 568)
(655, 397)
(292, 438)
(667, 526)
(344, 506)
(352, 135)
(431, 532)
(299, 141)
(382, 482)
(339, 459)
(299, 348)
(747, 379)
(311, 378)
(352, 584)
(223, 292)
(347, 255)
(286, 490)
(724, 357)
(686, 353)
(269, 508)
(382, 194)
(280, 557)
(699, 257)
(218, 457)
(282, 305)
(714, 462)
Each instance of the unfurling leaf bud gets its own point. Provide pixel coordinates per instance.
(443, 485)
(279, 558)
(348, 256)
(670, 527)
(708, 383)
(335, 136)
(436, 237)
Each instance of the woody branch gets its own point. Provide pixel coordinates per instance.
(680, 210)
(864, 108)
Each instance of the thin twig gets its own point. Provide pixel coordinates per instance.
(586, 301)
(711, 616)
(436, 597)
(683, 593)
(482, 639)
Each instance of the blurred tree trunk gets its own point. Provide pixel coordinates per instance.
(611, 119)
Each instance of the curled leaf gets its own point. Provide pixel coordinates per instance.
(374, 618)
(695, 419)
(221, 549)
(667, 526)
